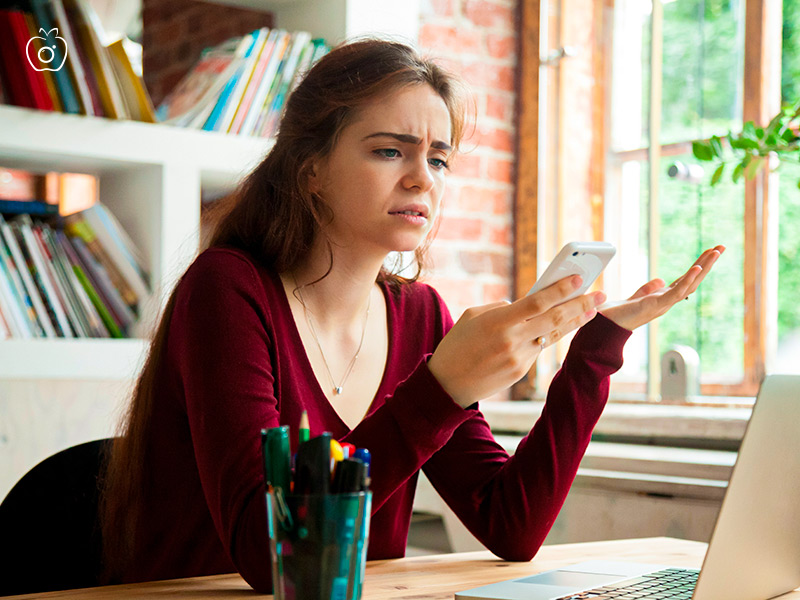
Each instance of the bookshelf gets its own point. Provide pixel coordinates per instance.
(55, 393)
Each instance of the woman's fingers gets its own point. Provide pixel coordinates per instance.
(533, 305)
(560, 320)
(648, 288)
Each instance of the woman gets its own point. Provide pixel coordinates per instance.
(292, 309)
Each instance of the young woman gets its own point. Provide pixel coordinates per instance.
(292, 309)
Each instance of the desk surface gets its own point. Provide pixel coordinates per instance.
(425, 577)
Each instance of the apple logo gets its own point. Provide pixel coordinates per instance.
(47, 53)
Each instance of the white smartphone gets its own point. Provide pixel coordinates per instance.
(587, 259)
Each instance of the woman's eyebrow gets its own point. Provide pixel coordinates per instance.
(408, 139)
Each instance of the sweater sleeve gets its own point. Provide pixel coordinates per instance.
(510, 503)
(220, 336)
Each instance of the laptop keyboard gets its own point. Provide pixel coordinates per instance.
(669, 584)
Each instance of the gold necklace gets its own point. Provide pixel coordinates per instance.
(337, 389)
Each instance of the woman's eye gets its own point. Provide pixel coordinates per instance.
(438, 163)
(388, 152)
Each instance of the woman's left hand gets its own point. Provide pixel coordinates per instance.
(653, 299)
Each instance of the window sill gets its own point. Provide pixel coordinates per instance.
(711, 427)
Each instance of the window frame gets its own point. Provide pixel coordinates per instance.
(761, 80)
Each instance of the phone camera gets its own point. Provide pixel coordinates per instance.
(575, 253)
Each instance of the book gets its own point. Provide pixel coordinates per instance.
(72, 265)
(47, 30)
(97, 302)
(244, 79)
(119, 247)
(31, 289)
(196, 94)
(75, 313)
(28, 207)
(61, 293)
(90, 35)
(79, 69)
(268, 81)
(27, 87)
(258, 74)
(11, 307)
(20, 292)
(134, 91)
(242, 51)
(36, 47)
(112, 299)
(302, 41)
(18, 184)
(77, 226)
(41, 273)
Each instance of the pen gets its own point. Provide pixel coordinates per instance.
(313, 466)
(349, 450)
(304, 431)
(279, 457)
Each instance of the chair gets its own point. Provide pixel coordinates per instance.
(49, 535)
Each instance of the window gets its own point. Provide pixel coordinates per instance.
(666, 73)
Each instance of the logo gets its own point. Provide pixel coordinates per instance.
(47, 53)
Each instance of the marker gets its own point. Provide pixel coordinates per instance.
(313, 466)
(348, 449)
(279, 457)
(304, 432)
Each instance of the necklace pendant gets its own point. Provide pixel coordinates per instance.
(337, 390)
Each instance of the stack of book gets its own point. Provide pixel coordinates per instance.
(241, 86)
(77, 276)
(53, 56)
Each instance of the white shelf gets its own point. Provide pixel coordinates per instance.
(78, 359)
(337, 20)
(40, 139)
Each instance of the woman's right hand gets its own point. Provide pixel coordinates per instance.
(491, 347)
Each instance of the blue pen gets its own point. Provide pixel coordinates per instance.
(364, 456)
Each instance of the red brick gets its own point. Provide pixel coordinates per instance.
(495, 77)
(496, 292)
(454, 40)
(490, 14)
(497, 139)
(442, 8)
(478, 199)
(456, 228)
(501, 46)
(499, 106)
(500, 235)
(468, 165)
(501, 170)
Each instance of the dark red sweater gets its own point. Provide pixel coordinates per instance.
(235, 364)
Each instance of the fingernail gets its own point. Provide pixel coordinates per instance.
(599, 298)
(577, 281)
(589, 314)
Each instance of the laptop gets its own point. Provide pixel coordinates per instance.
(754, 552)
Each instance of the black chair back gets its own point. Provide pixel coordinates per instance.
(49, 534)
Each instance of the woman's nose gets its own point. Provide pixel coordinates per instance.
(419, 175)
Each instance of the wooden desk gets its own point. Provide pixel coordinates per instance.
(424, 577)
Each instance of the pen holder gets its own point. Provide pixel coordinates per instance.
(318, 545)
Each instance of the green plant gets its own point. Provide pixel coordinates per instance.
(752, 147)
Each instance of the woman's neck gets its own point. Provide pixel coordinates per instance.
(340, 297)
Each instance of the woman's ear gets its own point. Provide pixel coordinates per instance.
(315, 171)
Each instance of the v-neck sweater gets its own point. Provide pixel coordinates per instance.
(234, 364)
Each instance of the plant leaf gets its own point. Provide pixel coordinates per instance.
(716, 146)
(702, 151)
(737, 172)
(717, 176)
(752, 168)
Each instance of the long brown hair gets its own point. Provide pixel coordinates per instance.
(274, 217)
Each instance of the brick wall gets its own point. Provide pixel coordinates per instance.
(472, 254)
(175, 32)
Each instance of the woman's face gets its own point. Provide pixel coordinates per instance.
(385, 177)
